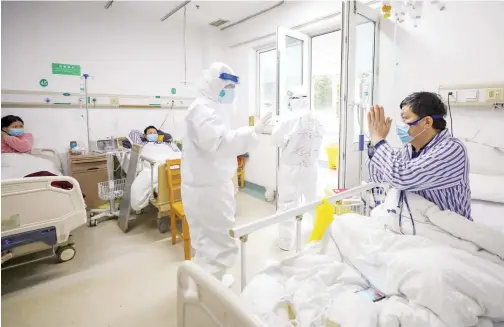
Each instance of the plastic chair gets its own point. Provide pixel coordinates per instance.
(176, 207)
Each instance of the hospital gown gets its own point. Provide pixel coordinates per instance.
(439, 172)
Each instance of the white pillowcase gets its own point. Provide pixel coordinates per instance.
(487, 187)
(485, 160)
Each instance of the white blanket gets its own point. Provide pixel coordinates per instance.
(141, 187)
(449, 274)
(18, 165)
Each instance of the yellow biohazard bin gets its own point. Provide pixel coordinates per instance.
(332, 155)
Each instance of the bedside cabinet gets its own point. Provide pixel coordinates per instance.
(89, 170)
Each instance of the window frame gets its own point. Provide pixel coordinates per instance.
(270, 47)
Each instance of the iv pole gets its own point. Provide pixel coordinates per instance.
(86, 76)
(361, 107)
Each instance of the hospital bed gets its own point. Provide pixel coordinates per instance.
(145, 182)
(144, 161)
(38, 216)
(202, 300)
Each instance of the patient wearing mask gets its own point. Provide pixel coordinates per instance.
(150, 134)
(431, 163)
(14, 139)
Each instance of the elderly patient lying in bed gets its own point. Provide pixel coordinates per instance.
(450, 274)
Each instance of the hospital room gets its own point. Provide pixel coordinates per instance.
(252, 163)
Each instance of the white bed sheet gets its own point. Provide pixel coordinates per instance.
(141, 187)
(18, 165)
(448, 281)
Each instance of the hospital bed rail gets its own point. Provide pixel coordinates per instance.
(39, 215)
(152, 163)
(242, 232)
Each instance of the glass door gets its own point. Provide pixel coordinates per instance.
(359, 43)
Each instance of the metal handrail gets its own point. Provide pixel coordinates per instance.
(243, 232)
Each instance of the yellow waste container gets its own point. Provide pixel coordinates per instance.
(332, 155)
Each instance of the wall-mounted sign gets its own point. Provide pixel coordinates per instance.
(66, 69)
(173, 90)
(43, 82)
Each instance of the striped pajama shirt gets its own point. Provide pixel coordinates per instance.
(438, 173)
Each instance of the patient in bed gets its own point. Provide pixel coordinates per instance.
(150, 134)
(14, 139)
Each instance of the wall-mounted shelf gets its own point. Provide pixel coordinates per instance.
(41, 99)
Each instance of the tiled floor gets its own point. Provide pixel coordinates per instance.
(117, 279)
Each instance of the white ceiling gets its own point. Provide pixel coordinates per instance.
(208, 11)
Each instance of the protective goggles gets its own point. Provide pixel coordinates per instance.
(419, 119)
(228, 77)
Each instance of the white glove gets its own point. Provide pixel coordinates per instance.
(263, 122)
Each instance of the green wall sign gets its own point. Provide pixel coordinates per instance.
(66, 69)
(173, 90)
(43, 82)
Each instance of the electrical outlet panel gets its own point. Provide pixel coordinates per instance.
(494, 94)
(471, 96)
(453, 96)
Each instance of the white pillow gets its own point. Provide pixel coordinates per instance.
(487, 187)
(485, 160)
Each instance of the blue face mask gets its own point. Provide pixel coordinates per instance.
(152, 137)
(227, 96)
(16, 131)
(403, 133)
(403, 129)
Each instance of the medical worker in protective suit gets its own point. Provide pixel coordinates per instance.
(208, 166)
(298, 134)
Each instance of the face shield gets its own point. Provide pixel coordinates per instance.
(218, 83)
(228, 94)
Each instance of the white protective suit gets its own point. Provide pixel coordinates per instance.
(299, 135)
(208, 166)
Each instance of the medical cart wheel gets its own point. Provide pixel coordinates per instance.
(65, 253)
(93, 222)
(163, 225)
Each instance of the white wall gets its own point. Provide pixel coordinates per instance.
(126, 52)
(462, 45)
(443, 49)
